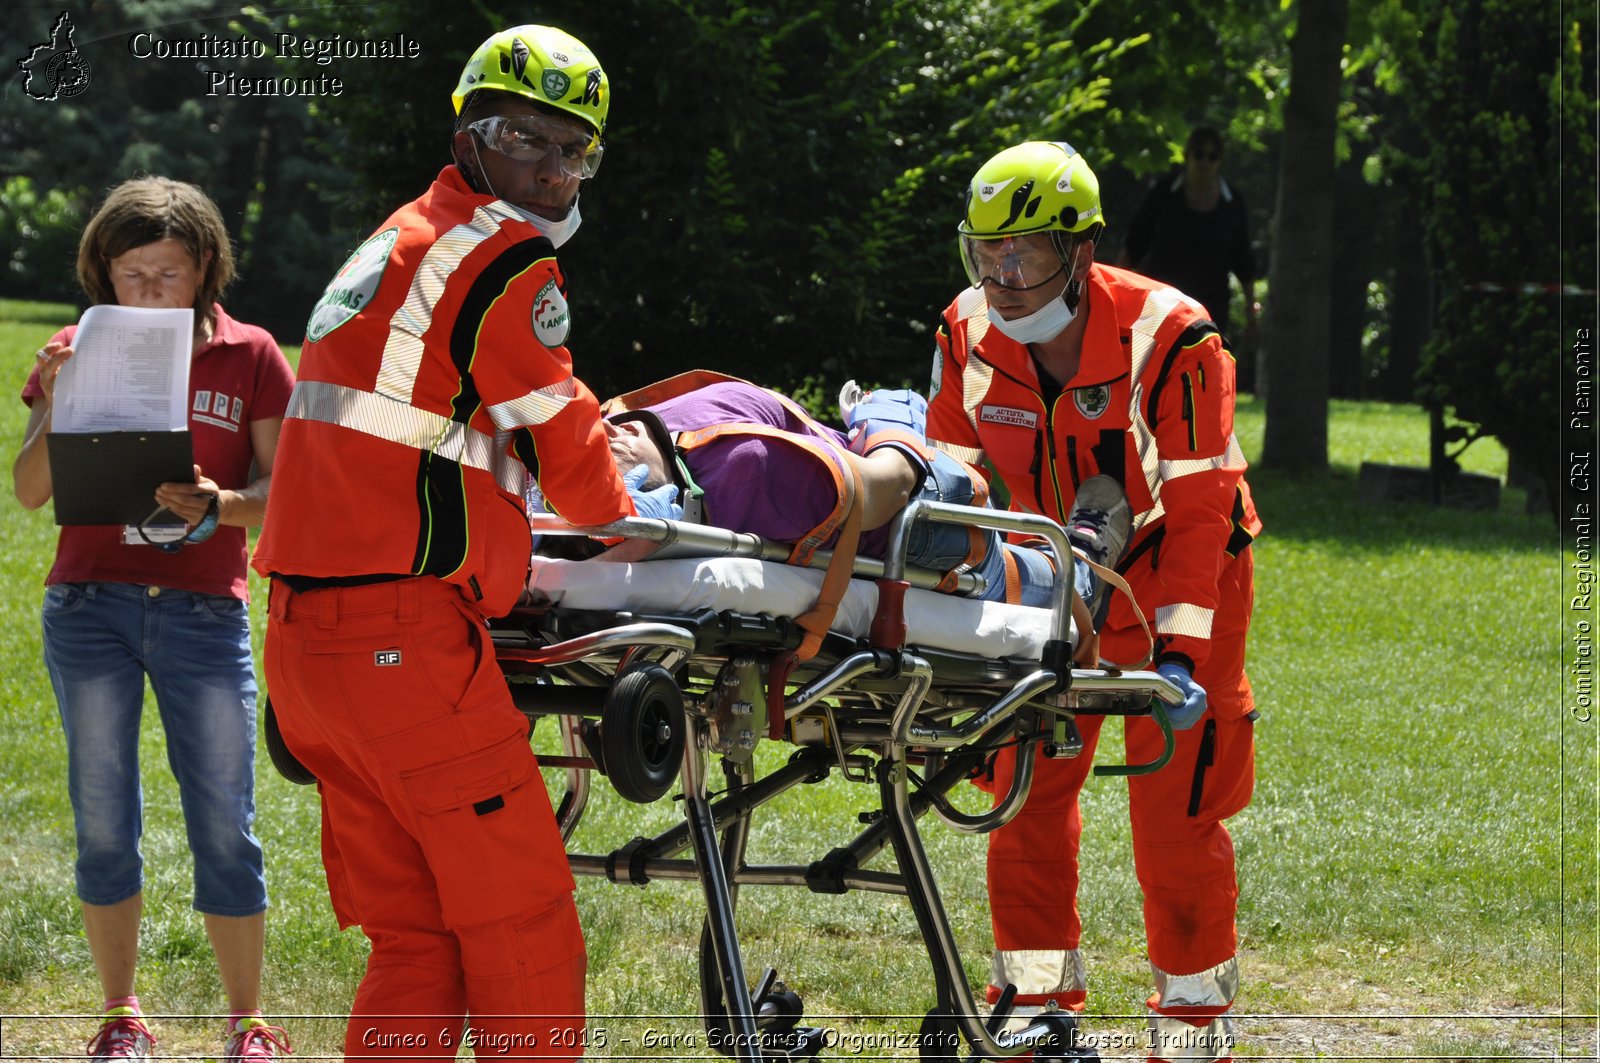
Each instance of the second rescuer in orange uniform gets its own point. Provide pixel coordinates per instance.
(1058, 369)
(434, 380)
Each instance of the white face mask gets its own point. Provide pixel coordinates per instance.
(1041, 326)
(557, 232)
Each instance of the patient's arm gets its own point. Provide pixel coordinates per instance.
(887, 480)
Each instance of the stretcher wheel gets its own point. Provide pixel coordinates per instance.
(287, 763)
(939, 1039)
(642, 733)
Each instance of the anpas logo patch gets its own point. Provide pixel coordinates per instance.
(554, 83)
(1092, 401)
(551, 318)
(354, 284)
(1009, 415)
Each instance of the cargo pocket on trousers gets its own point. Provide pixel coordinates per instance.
(1205, 759)
(487, 832)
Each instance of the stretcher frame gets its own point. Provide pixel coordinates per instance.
(872, 709)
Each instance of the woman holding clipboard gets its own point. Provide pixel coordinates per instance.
(123, 603)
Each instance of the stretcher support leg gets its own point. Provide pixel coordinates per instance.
(720, 931)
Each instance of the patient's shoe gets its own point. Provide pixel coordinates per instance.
(1099, 525)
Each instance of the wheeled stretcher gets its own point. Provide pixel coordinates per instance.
(652, 668)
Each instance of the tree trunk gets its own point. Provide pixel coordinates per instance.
(1410, 305)
(1295, 359)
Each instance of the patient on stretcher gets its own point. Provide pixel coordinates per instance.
(748, 459)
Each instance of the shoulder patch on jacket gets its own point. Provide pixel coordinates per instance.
(355, 283)
(552, 320)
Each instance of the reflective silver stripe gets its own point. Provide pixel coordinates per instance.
(1037, 972)
(1176, 1041)
(1158, 305)
(1212, 988)
(402, 351)
(1230, 458)
(1181, 1040)
(970, 455)
(398, 422)
(973, 309)
(1184, 619)
(972, 306)
(536, 407)
(1144, 441)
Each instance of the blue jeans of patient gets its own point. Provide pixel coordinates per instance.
(942, 547)
(100, 642)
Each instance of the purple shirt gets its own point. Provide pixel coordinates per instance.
(759, 484)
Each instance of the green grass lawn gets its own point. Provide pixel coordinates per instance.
(1417, 868)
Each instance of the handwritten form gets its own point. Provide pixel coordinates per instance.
(129, 371)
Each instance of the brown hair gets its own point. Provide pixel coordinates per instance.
(1204, 136)
(147, 209)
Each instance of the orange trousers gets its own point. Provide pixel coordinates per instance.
(1182, 852)
(437, 834)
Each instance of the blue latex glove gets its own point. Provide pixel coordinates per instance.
(899, 408)
(661, 502)
(1183, 716)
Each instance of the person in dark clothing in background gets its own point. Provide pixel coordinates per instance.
(1192, 230)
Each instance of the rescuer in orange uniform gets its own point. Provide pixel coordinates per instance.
(1057, 369)
(434, 380)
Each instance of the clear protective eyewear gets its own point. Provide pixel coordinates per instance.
(531, 137)
(1016, 263)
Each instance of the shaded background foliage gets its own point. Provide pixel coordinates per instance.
(783, 179)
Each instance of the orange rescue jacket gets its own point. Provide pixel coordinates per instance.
(434, 378)
(1151, 406)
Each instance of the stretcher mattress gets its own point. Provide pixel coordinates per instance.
(748, 585)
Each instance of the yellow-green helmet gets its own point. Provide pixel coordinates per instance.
(1040, 186)
(543, 64)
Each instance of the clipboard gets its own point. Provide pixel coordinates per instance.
(111, 477)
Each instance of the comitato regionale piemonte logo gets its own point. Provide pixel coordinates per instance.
(55, 69)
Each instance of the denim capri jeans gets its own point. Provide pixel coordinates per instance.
(100, 642)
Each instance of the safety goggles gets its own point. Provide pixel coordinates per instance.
(531, 137)
(1017, 263)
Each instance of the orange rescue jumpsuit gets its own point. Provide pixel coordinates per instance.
(433, 380)
(1152, 406)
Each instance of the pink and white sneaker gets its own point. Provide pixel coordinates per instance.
(254, 1040)
(123, 1038)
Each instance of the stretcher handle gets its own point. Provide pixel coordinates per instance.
(653, 635)
(997, 520)
(1002, 811)
(1158, 710)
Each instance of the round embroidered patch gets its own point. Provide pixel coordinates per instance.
(354, 284)
(551, 318)
(1092, 401)
(554, 83)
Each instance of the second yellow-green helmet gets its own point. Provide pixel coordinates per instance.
(1038, 186)
(543, 64)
